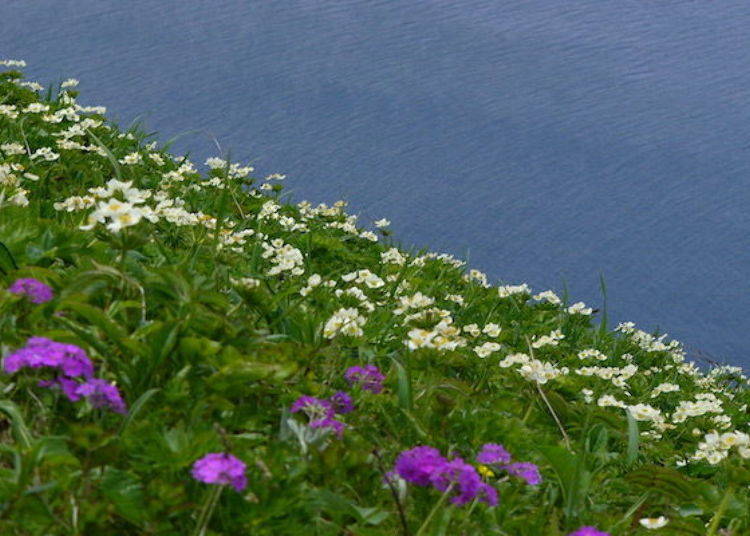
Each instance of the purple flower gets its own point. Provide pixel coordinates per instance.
(526, 470)
(368, 378)
(342, 403)
(220, 468)
(493, 453)
(101, 394)
(418, 464)
(425, 466)
(321, 412)
(333, 425)
(33, 289)
(314, 408)
(487, 494)
(461, 477)
(69, 387)
(589, 531)
(39, 352)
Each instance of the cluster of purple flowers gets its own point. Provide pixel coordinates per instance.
(425, 466)
(221, 468)
(74, 369)
(589, 531)
(368, 378)
(496, 456)
(33, 289)
(322, 412)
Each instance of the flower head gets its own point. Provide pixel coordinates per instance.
(652, 523)
(418, 464)
(342, 403)
(461, 477)
(39, 352)
(589, 531)
(102, 394)
(33, 289)
(333, 425)
(493, 453)
(221, 468)
(314, 408)
(368, 378)
(68, 387)
(526, 470)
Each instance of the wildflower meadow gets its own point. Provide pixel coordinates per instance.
(186, 350)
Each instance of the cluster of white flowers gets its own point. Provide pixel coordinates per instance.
(553, 339)
(486, 349)
(704, 403)
(357, 294)
(284, 257)
(579, 308)
(715, 447)
(313, 282)
(393, 256)
(479, 277)
(616, 375)
(592, 353)
(345, 321)
(416, 301)
(365, 277)
(549, 297)
(511, 290)
(234, 170)
(443, 336)
(247, 283)
(665, 387)
(540, 371)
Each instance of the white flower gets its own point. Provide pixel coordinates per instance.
(548, 340)
(130, 159)
(486, 349)
(382, 223)
(652, 523)
(245, 282)
(216, 163)
(579, 308)
(12, 148)
(46, 153)
(514, 359)
(344, 322)
(13, 63)
(393, 256)
(70, 82)
(539, 371)
(510, 290)
(548, 296)
(491, 330)
(644, 412)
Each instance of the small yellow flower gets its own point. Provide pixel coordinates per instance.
(485, 471)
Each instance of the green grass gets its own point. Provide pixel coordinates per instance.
(206, 364)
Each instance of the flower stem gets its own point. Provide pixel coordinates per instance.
(434, 510)
(207, 511)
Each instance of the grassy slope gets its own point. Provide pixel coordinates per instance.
(206, 364)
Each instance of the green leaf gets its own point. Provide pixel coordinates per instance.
(404, 389)
(7, 262)
(20, 430)
(125, 492)
(633, 439)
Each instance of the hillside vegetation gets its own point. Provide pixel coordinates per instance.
(190, 353)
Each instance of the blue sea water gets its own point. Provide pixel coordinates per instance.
(549, 141)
